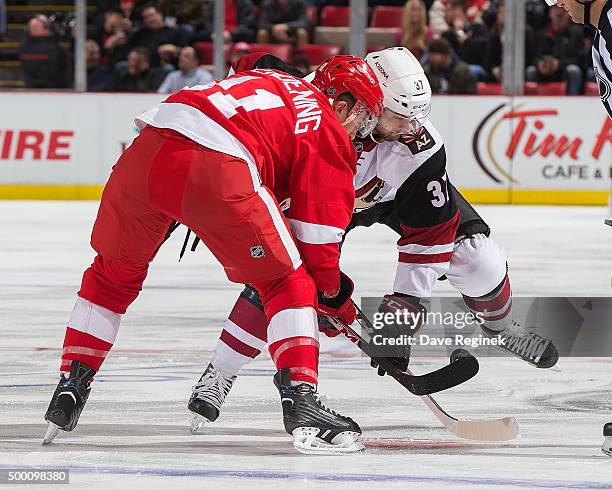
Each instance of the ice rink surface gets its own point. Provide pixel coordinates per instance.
(134, 430)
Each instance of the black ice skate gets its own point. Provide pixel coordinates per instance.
(208, 396)
(525, 345)
(315, 428)
(607, 444)
(68, 400)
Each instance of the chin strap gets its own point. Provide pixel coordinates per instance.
(374, 139)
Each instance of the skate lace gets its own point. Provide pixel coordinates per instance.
(213, 387)
(524, 343)
(325, 407)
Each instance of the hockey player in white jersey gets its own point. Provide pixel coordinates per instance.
(401, 182)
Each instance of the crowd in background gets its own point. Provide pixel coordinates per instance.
(2, 18)
(140, 46)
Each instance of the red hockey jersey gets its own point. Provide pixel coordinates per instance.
(286, 131)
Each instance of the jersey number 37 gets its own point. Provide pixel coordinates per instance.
(439, 191)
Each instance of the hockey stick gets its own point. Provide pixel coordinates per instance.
(503, 429)
(463, 365)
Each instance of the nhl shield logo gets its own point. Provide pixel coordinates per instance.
(257, 252)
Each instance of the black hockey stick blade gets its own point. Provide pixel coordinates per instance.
(463, 366)
(461, 369)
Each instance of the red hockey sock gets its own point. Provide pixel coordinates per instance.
(494, 308)
(90, 334)
(243, 337)
(300, 355)
(293, 337)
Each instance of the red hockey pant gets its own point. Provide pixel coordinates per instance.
(164, 177)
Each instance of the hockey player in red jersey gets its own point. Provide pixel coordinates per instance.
(220, 158)
(401, 182)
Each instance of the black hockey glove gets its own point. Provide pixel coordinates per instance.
(402, 303)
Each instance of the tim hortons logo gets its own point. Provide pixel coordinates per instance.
(533, 135)
(22, 144)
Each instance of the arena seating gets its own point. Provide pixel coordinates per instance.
(317, 53)
(282, 51)
(591, 88)
(383, 16)
(332, 16)
(552, 88)
(483, 88)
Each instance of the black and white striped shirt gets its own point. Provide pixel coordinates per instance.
(602, 59)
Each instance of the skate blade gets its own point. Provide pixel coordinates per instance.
(52, 431)
(305, 441)
(198, 425)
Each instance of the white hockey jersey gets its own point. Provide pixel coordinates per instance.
(412, 172)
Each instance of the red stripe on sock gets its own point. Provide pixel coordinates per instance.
(83, 347)
(491, 303)
(409, 258)
(238, 346)
(300, 355)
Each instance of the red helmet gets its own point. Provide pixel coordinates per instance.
(345, 73)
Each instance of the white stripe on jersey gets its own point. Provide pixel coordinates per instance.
(196, 126)
(280, 226)
(426, 249)
(314, 233)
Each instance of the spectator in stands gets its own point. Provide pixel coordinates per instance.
(99, 76)
(131, 9)
(43, 60)
(162, 41)
(138, 75)
(536, 14)
(446, 73)
(191, 16)
(240, 22)
(2, 18)
(560, 53)
(494, 49)
(375, 3)
(416, 35)
(475, 8)
(467, 39)
(113, 37)
(188, 15)
(437, 18)
(283, 21)
(190, 73)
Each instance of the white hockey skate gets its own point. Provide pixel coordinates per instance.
(207, 398)
(528, 346)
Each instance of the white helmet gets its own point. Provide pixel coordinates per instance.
(405, 87)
